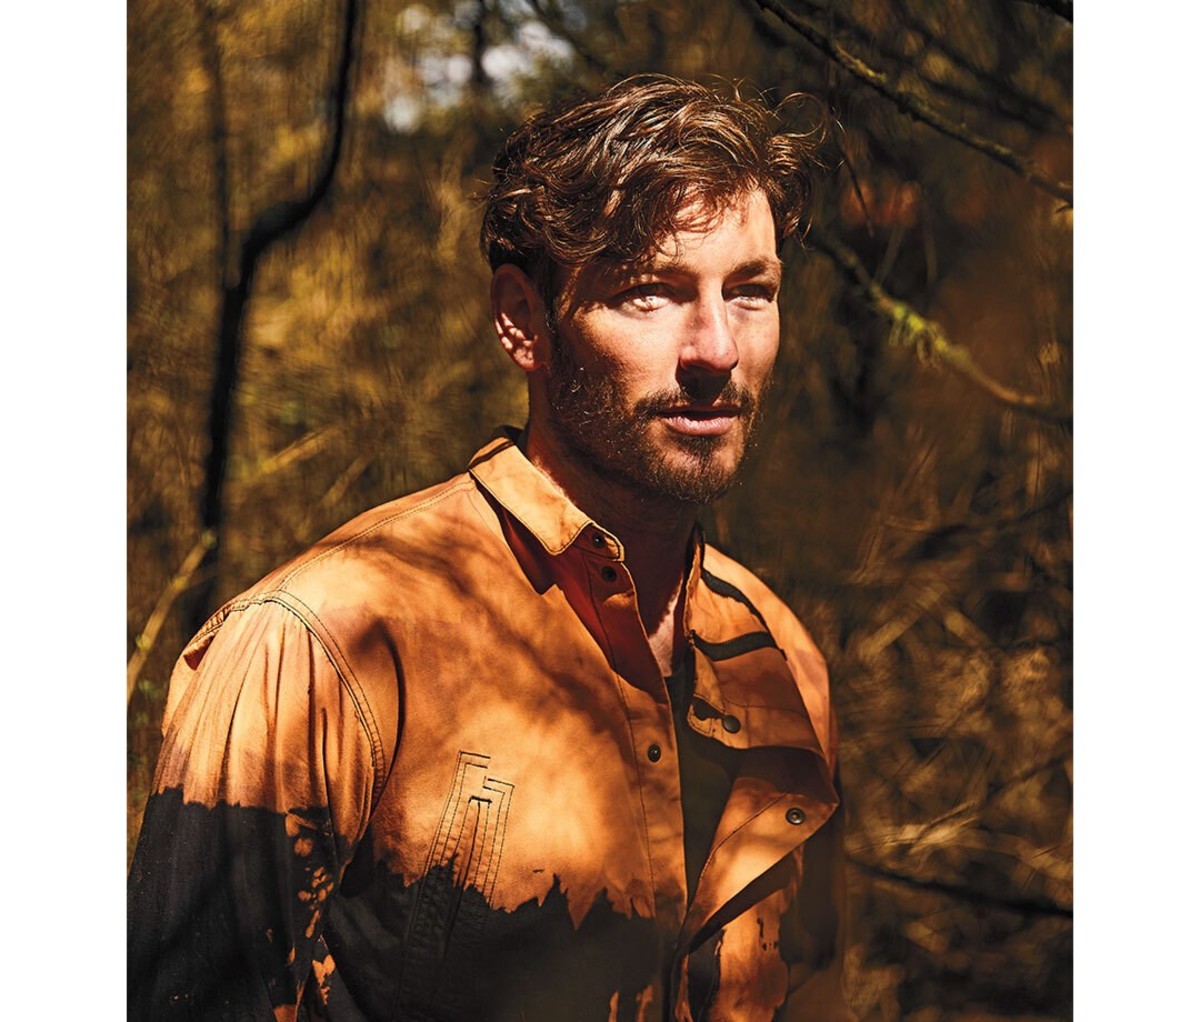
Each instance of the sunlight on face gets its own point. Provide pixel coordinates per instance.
(659, 368)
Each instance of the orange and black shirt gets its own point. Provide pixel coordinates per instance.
(429, 770)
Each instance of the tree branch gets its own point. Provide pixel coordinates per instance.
(1028, 906)
(916, 107)
(268, 228)
(166, 600)
(911, 329)
(1002, 98)
(341, 486)
(189, 572)
(220, 142)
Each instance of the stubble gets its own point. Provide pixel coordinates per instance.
(617, 442)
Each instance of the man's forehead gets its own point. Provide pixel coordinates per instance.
(697, 218)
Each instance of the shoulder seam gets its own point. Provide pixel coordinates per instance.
(306, 616)
(346, 676)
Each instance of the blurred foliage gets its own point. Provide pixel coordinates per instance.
(916, 514)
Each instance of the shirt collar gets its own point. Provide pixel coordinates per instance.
(529, 495)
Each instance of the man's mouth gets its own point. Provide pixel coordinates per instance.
(701, 420)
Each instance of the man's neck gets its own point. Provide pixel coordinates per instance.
(656, 535)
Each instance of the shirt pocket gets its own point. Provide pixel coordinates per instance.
(451, 909)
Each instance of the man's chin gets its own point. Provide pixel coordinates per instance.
(724, 447)
(693, 471)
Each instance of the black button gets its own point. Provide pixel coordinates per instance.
(609, 574)
(654, 753)
(795, 816)
(731, 724)
(597, 539)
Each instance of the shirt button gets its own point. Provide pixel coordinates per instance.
(795, 816)
(654, 753)
(597, 539)
(731, 724)
(609, 574)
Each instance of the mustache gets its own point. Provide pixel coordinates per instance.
(665, 400)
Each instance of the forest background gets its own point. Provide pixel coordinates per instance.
(308, 337)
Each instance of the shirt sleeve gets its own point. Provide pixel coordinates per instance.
(262, 793)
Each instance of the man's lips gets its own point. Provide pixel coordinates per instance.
(701, 420)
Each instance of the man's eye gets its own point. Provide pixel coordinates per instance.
(754, 294)
(645, 296)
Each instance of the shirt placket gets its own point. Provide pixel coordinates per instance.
(648, 713)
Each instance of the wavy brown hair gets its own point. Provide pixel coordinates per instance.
(608, 177)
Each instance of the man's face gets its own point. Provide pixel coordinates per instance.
(658, 368)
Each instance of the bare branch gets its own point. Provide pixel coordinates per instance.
(848, 163)
(911, 329)
(1002, 97)
(341, 486)
(1028, 906)
(916, 107)
(211, 52)
(189, 572)
(308, 445)
(267, 228)
(166, 600)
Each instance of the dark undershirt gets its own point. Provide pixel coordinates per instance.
(706, 772)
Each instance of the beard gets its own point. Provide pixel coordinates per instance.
(617, 442)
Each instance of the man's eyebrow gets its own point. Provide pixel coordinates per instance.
(754, 267)
(750, 268)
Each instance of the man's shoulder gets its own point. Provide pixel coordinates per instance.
(414, 515)
(350, 595)
(413, 537)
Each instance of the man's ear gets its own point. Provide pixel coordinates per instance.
(519, 316)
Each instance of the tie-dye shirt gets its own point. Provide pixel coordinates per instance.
(429, 770)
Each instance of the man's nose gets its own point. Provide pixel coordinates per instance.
(710, 347)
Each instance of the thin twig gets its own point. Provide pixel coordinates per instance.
(307, 446)
(1026, 108)
(341, 486)
(916, 107)
(911, 329)
(166, 600)
(1002, 97)
(868, 219)
(189, 572)
(1029, 906)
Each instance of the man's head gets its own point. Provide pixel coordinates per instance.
(634, 240)
(605, 178)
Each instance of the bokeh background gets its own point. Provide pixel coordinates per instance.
(308, 337)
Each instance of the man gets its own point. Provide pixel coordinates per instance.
(524, 746)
